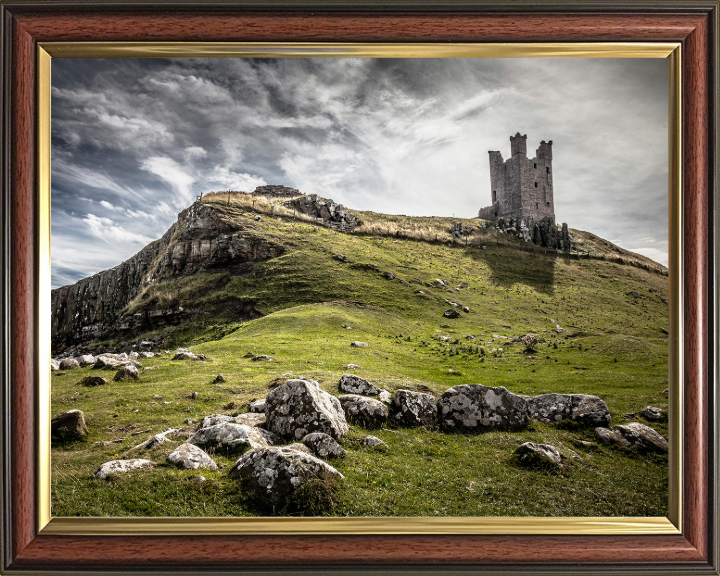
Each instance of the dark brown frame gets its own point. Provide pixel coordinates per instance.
(693, 23)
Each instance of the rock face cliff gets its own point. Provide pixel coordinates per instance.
(202, 239)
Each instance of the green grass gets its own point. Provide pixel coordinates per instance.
(611, 346)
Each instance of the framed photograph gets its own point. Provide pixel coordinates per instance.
(389, 288)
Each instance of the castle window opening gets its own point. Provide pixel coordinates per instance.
(494, 195)
(535, 184)
(547, 169)
(537, 206)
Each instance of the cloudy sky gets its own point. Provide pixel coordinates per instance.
(135, 140)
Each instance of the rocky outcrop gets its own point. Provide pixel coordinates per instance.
(69, 425)
(277, 191)
(273, 474)
(117, 466)
(366, 411)
(323, 445)
(202, 239)
(326, 212)
(635, 436)
(191, 457)
(474, 407)
(356, 385)
(414, 408)
(533, 454)
(582, 408)
(233, 437)
(542, 233)
(299, 407)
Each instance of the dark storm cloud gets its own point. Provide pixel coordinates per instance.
(134, 141)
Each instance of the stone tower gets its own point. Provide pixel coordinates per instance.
(521, 187)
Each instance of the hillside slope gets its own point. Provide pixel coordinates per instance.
(232, 287)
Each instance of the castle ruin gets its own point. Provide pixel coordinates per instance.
(522, 188)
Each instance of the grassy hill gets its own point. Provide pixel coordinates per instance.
(611, 344)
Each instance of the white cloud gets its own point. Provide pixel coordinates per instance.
(174, 174)
(229, 180)
(105, 229)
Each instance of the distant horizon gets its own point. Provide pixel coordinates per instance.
(408, 136)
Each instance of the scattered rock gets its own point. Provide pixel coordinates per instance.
(299, 407)
(414, 408)
(191, 457)
(69, 363)
(233, 437)
(190, 421)
(262, 358)
(92, 381)
(69, 425)
(582, 408)
(147, 355)
(219, 378)
(367, 411)
(652, 413)
(356, 385)
(385, 396)
(665, 392)
(466, 309)
(116, 466)
(473, 406)
(192, 396)
(343, 258)
(257, 405)
(258, 218)
(323, 445)
(351, 367)
(275, 473)
(54, 365)
(533, 454)
(451, 313)
(126, 373)
(357, 344)
(374, 442)
(664, 331)
(635, 436)
(185, 354)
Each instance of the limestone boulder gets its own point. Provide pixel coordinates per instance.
(126, 373)
(323, 445)
(233, 437)
(414, 408)
(106, 362)
(299, 407)
(275, 473)
(156, 440)
(86, 360)
(474, 407)
(191, 457)
(451, 313)
(69, 364)
(635, 436)
(582, 408)
(366, 411)
(356, 385)
(54, 365)
(69, 425)
(531, 453)
(119, 466)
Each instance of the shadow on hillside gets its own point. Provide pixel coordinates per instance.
(511, 266)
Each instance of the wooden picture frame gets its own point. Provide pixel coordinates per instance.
(26, 548)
